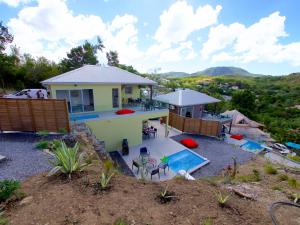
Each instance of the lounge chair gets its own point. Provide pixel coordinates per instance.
(163, 166)
(144, 152)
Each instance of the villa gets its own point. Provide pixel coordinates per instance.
(95, 93)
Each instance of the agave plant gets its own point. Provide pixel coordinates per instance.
(222, 199)
(68, 160)
(105, 179)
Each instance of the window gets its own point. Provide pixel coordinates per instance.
(78, 100)
(128, 89)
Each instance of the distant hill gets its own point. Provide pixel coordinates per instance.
(213, 71)
(224, 70)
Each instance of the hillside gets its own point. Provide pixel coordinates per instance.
(212, 71)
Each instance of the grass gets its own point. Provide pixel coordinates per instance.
(43, 133)
(277, 188)
(283, 177)
(3, 220)
(293, 183)
(295, 158)
(120, 221)
(207, 221)
(253, 177)
(270, 169)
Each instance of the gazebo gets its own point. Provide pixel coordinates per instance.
(186, 102)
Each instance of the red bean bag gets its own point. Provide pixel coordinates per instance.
(189, 142)
(237, 136)
(124, 111)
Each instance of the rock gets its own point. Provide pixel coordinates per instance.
(26, 200)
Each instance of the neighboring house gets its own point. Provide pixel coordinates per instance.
(241, 124)
(188, 112)
(101, 91)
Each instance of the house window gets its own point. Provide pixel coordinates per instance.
(128, 90)
(79, 100)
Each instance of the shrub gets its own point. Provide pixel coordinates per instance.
(53, 145)
(165, 195)
(104, 180)
(62, 130)
(42, 145)
(293, 182)
(68, 160)
(8, 188)
(269, 169)
(222, 199)
(283, 177)
(43, 133)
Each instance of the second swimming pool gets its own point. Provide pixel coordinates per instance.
(186, 160)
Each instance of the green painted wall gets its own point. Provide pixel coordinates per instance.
(114, 130)
(136, 93)
(102, 94)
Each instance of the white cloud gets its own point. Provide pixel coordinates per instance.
(180, 20)
(14, 3)
(258, 42)
(51, 29)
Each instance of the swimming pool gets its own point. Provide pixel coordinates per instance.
(252, 146)
(80, 117)
(186, 160)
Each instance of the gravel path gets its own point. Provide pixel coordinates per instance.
(22, 158)
(218, 152)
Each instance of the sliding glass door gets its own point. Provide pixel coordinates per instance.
(78, 100)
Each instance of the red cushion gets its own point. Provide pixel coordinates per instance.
(237, 136)
(189, 142)
(125, 111)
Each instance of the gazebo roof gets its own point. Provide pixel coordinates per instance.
(186, 97)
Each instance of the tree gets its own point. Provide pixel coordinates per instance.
(81, 55)
(5, 37)
(112, 58)
(243, 101)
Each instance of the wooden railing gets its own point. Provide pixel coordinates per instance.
(33, 115)
(195, 125)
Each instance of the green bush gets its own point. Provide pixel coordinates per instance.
(269, 169)
(283, 177)
(42, 145)
(8, 188)
(53, 145)
(254, 177)
(62, 131)
(43, 133)
(293, 182)
(68, 160)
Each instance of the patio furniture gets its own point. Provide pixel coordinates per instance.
(153, 172)
(163, 166)
(146, 133)
(136, 164)
(125, 147)
(144, 152)
(152, 162)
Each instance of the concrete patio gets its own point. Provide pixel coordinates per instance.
(158, 147)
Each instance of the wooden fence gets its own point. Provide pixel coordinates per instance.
(33, 115)
(195, 126)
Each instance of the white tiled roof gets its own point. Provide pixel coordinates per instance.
(186, 97)
(96, 74)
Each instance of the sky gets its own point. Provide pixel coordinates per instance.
(261, 36)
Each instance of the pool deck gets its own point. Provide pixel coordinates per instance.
(218, 152)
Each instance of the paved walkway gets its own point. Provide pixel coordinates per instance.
(218, 152)
(22, 159)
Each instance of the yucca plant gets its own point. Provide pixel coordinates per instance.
(105, 179)
(166, 196)
(68, 160)
(222, 199)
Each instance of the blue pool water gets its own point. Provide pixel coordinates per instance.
(252, 146)
(79, 117)
(185, 160)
